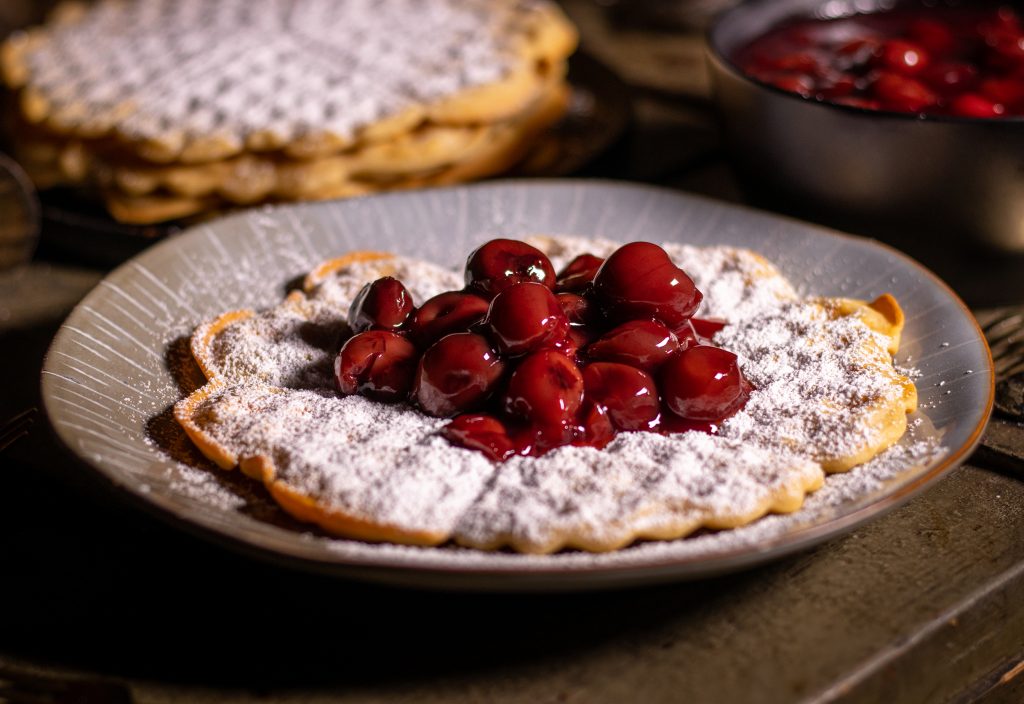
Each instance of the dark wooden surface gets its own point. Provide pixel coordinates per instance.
(921, 606)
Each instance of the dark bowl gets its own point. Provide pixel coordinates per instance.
(871, 171)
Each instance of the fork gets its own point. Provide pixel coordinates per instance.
(17, 427)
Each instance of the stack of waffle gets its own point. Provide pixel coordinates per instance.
(171, 108)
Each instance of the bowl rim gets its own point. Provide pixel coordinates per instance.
(716, 54)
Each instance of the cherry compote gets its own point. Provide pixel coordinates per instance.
(965, 60)
(616, 349)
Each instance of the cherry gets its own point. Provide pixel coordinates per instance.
(671, 423)
(498, 264)
(595, 427)
(384, 304)
(901, 93)
(933, 35)
(445, 313)
(644, 344)
(524, 318)
(703, 383)
(950, 77)
(640, 281)
(628, 393)
(578, 273)
(579, 310)
(456, 373)
(535, 440)
(903, 57)
(1005, 91)
(480, 432)
(546, 389)
(378, 364)
(974, 105)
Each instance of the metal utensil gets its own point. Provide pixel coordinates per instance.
(19, 215)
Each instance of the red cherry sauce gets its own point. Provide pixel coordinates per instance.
(965, 61)
(615, 349)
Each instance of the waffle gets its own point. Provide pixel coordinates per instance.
(198, 104)
(267, 414)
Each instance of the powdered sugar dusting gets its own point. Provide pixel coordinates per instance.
(819, 380)
(381, 462)
(229, 68)
(293, 344)
(818, 383)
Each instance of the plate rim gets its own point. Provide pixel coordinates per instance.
(519, 577)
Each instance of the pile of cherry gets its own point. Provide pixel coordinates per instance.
(964, 61)
(533, 361)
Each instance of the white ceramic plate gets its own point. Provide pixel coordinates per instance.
(108, 386)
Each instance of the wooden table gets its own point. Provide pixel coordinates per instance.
(923, 605)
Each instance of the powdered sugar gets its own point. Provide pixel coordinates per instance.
(229, 68)
(818, 382)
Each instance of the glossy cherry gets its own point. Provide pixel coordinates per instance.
(445, 313)
(577, 274)
(595, 427)
(639, 280)
(914, 58)
(898, 92)
(384, 304)
(480, 432)
(903, 57)
(457, 373)
(931, 34)
(974, 105)
(644, 344)
(579, 310)
(950, 78)
(378, 364)
(524, 318)
(703, 383)
(545, 389)
(534, 439)
(500, 263)
(629, 394)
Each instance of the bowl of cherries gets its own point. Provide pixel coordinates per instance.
(524, 360)
(877, 115)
